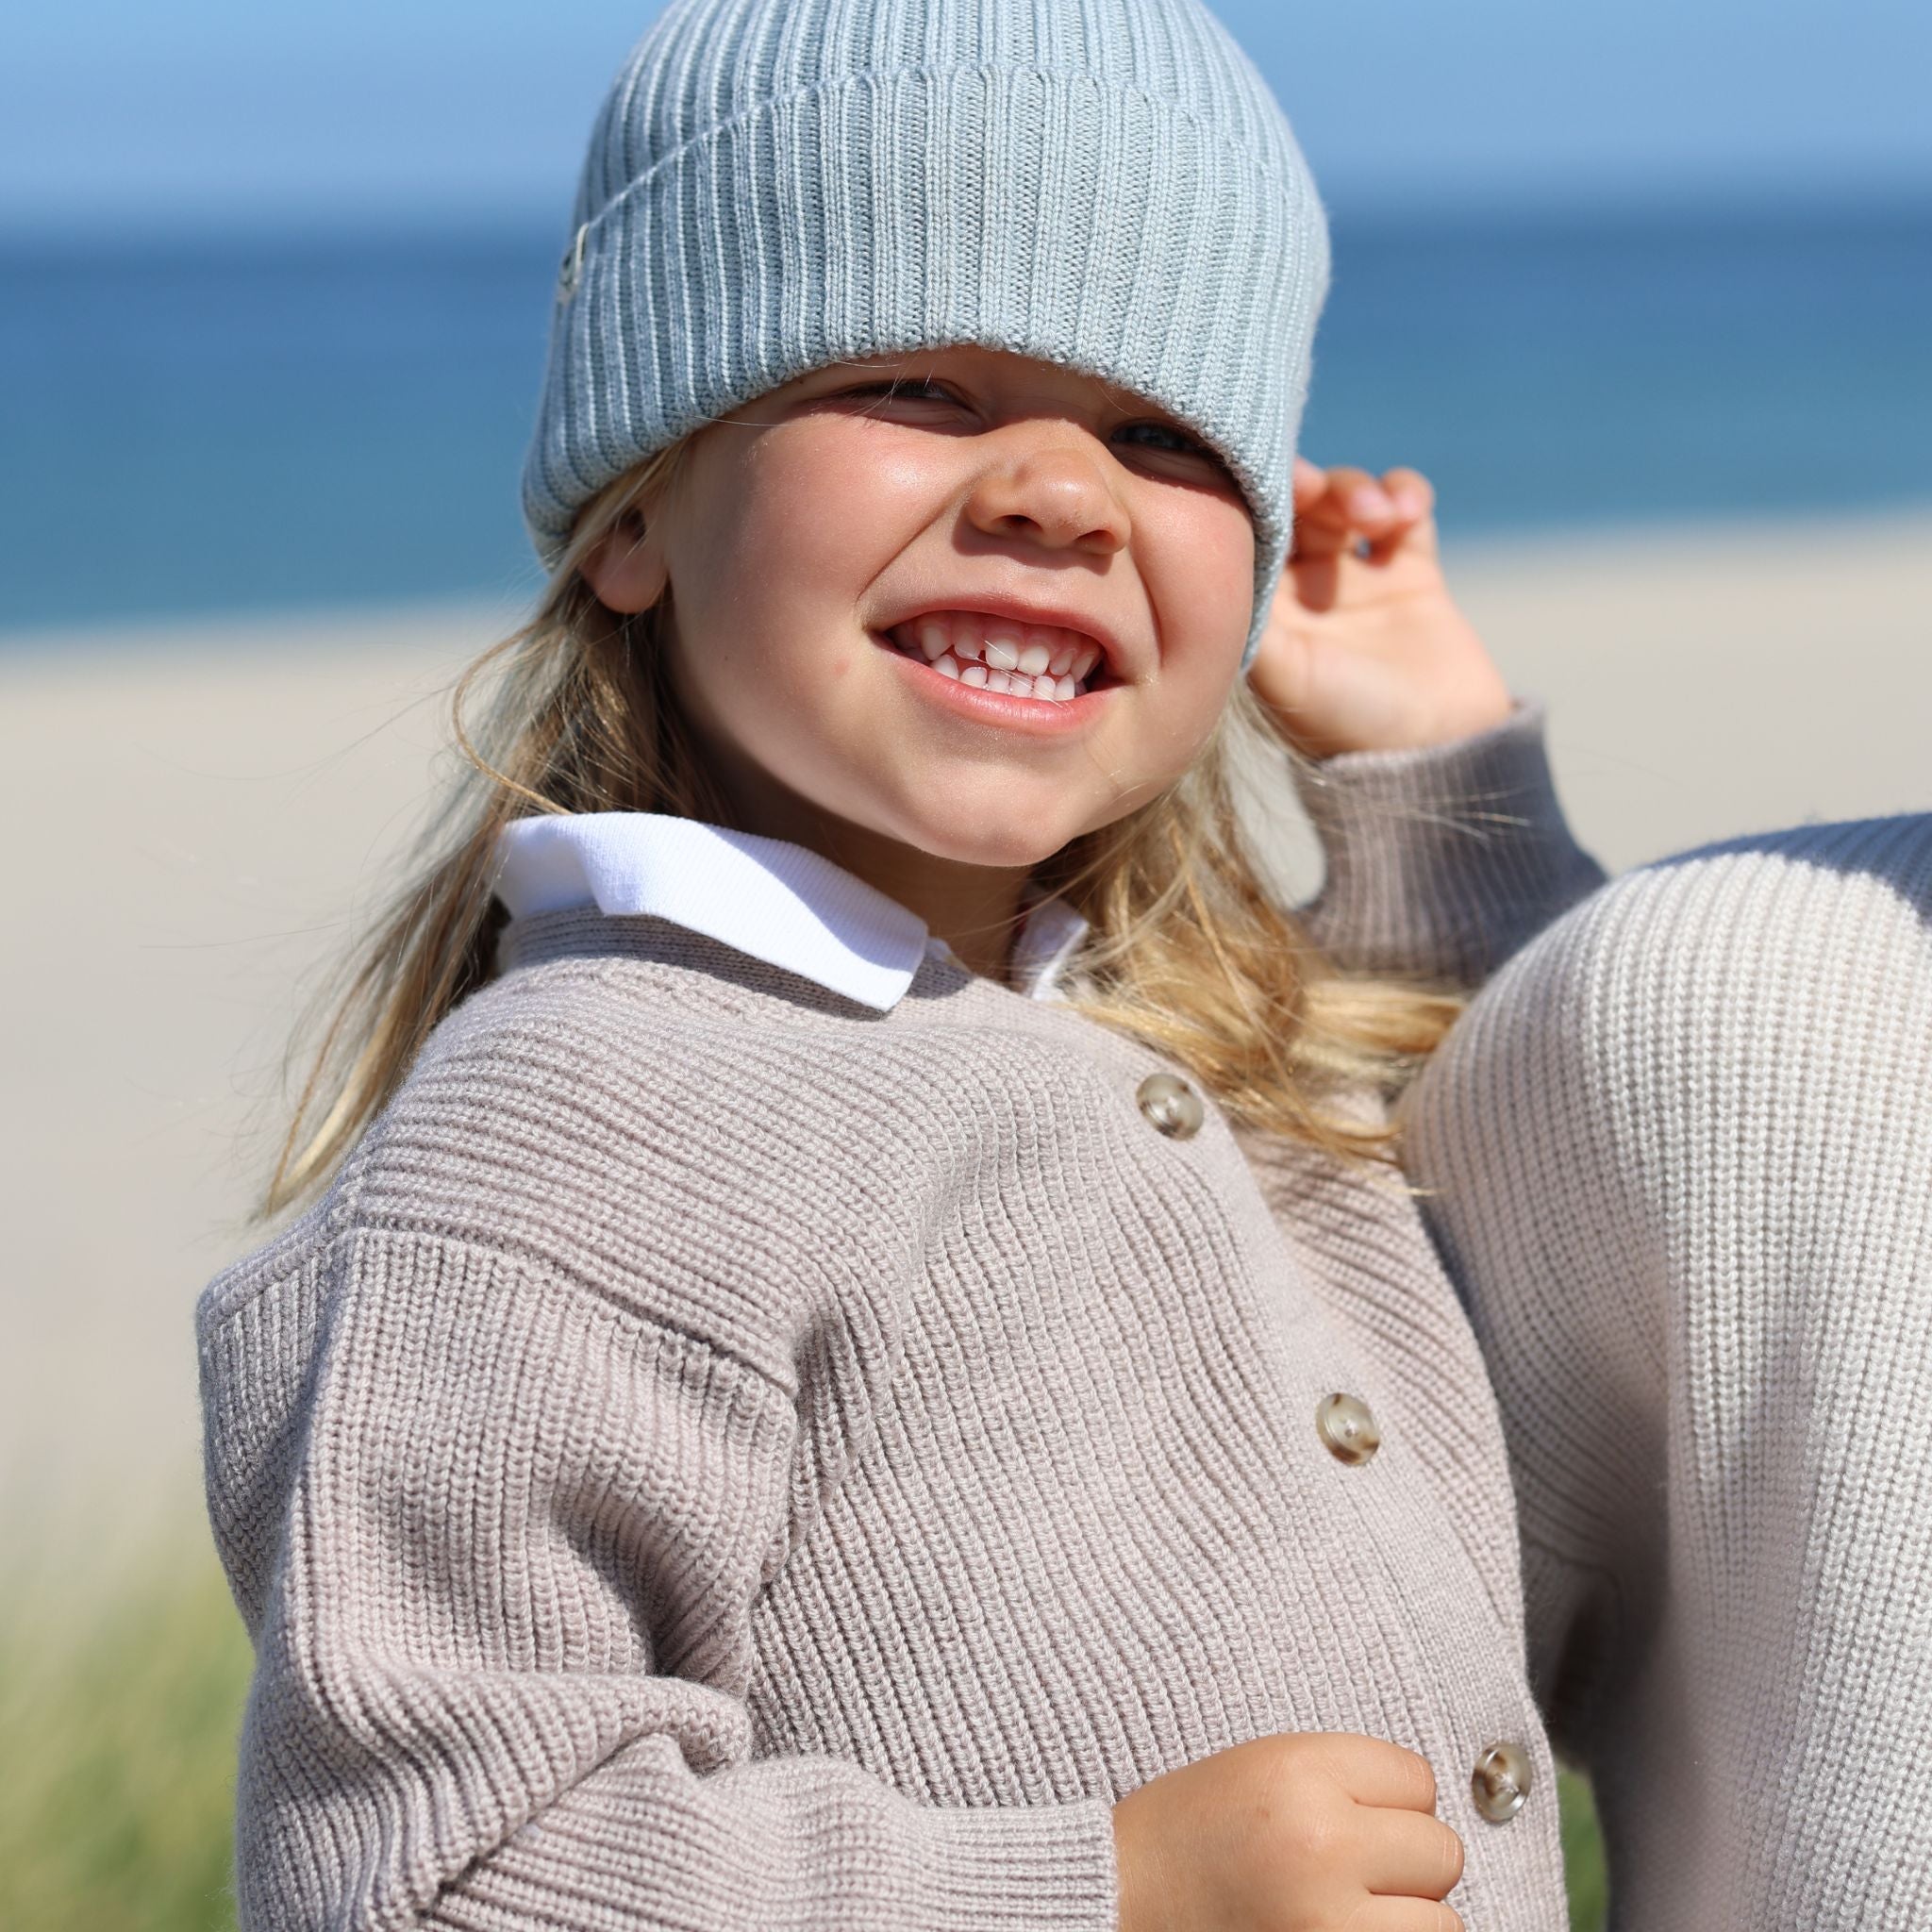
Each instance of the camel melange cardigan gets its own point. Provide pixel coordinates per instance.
(724, 1456)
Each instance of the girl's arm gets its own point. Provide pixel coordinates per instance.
(501, 1449)
(1429, 788)
(1441, 861)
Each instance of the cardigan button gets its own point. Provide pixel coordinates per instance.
(1500, 1782)
(1347, 1427)
(1170, 1105)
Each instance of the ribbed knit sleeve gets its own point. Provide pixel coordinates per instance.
(503, 1658)
(1680, 1160)
(1440, 863)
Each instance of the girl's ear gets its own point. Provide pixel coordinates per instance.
(627, 567)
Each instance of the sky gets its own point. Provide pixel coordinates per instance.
(118, 114)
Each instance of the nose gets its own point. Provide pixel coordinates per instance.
(1052, 491)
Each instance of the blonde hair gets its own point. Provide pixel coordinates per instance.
(1190, 951)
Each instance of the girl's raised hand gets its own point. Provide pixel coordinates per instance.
(1368, 652)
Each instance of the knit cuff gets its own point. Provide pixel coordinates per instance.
(882, 1866)
(1040, 1865)
(1441, 862)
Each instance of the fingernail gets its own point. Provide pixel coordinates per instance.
(1369, 502)
(1409, 502)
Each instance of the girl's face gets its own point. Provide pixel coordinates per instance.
(821, 544)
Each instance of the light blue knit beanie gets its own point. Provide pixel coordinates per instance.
(777, 185)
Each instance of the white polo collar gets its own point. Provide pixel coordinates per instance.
(778, 901)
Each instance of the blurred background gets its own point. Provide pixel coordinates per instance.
(1643, 288)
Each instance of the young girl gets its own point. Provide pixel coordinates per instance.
(858, 1360)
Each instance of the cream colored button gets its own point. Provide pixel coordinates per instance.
(1501, 1782)
(1172, 1104)
(1348, 1427)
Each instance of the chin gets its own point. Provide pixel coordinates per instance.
(1004, 847)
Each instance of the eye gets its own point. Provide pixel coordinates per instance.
(915, 389)
(1178, 442)
(923, 389)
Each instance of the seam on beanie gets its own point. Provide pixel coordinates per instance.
(1178, 110)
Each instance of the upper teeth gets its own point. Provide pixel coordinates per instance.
(1028, 660)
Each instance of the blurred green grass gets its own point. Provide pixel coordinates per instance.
(120, 1695)
(121, 1690)
(1583, 1855)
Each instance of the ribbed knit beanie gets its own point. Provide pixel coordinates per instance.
(775, 185)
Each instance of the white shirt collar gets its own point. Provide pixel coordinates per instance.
(779, 902)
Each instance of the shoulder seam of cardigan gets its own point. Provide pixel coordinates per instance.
(559, 1273)
(544, 1270)
(312, 1232)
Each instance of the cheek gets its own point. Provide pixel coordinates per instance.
(1199, 563)
(802, 522)
(780, 537)
(1200, 576)
(1227, 551)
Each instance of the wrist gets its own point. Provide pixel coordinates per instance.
(1401, 728)
(1471, 716)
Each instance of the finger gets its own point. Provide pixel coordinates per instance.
(1353, 513)
(1411, 492)
(1377, 1774)
(1408, 1855)
(1336, 504)
(1310, 480)
(1405, 1915)
(1413, 497)
(1325, 525)
(1364, 501)
(1315, 537)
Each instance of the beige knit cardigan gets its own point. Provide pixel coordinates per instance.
(727, 1458)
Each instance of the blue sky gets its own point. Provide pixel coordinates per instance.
(114, 113)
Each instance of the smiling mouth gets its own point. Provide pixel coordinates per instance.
(1027, 660)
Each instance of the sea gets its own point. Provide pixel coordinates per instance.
(252, 422)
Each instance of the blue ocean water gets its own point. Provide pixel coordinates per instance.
(253, 422)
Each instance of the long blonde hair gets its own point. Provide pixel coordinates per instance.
(1190, 950)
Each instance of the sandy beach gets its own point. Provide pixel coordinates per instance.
(209, 808)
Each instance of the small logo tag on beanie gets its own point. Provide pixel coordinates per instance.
(571, 272)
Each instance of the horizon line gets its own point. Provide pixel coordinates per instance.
(1668, 203)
